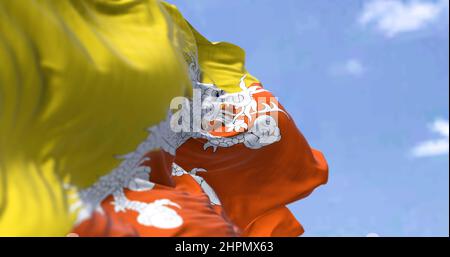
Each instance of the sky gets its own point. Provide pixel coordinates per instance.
(367, 83)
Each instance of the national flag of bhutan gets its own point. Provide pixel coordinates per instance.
(80, 82)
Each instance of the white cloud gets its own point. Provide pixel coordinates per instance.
(435, 147)
(372, 235)
(352, 67)
(392, 17)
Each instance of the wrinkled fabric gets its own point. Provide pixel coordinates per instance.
(80, 81)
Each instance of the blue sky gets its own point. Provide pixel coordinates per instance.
(367, 83)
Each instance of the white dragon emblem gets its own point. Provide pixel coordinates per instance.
(130, 174)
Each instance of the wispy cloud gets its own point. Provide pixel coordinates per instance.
(435, 147)
(352, 67)
(392, 17)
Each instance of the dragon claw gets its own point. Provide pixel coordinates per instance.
(118, 207)
(208, 144)
(196, 170)
(166, 202)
